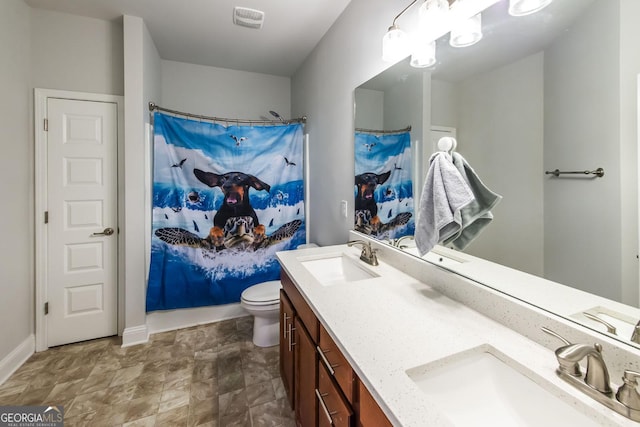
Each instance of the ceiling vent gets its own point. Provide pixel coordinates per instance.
(250, 18)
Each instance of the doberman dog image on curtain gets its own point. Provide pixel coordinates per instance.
(225, 200)
(383, 184)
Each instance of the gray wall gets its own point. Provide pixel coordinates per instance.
(347, 56)
(629, 69)
(503, 141)
(76, 53)
(582, 132)
(221, 92)
(16, 177)
(369, 109)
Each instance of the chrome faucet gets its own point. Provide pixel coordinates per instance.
(635, 337)
(569, 355)
(368, 254)
(397, 242)
(596, 382)
(597, 376)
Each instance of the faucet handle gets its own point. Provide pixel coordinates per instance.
(635, 337)
(628, 392)
(570, 368)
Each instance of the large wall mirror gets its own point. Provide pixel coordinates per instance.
(553, 90)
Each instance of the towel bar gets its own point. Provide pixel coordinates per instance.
(598, 172)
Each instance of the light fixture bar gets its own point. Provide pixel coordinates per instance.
(393, 24)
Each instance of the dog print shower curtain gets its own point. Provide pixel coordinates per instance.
(383, 184)
(225, 200)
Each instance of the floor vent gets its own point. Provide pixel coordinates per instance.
(250, 18)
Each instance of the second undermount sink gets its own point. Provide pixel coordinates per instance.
(338, 268)
(478, 388)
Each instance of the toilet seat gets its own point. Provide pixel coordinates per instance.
(267, 293)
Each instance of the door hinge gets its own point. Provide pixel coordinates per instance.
(46, 217)
(46, 308)
(46, 125)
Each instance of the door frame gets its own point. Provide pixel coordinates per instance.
(41, 97)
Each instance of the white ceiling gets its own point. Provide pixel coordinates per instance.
(202, 31)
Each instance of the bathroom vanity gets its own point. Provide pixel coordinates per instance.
(384, 345)
(320, 383)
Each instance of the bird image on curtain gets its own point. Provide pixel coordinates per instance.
(383, 184)
(225, 200)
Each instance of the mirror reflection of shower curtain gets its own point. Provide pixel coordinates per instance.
(383, 184)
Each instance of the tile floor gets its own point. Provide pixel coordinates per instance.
(209, 375)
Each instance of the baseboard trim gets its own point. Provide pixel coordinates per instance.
(135, 335)
(17, 357)
(161, 321)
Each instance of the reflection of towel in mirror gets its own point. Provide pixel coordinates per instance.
(476, 215)
(444, 194)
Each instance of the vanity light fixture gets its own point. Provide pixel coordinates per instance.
(526, 7)
(438, 17)
(396, 44)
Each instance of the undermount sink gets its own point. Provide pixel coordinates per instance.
(478, 388)
(339, 268)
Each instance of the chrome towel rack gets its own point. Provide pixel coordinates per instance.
(598, 172)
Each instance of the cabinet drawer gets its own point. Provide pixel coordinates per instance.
(303, 311)
(333, 409)
(336, 364)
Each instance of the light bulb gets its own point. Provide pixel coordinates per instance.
(434, 18)
(467, 32)
(396, 45)
(424, 55)
(526, 7)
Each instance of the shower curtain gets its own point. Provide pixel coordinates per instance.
(383, 184)
(225, 200)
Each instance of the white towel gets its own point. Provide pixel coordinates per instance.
(444, 194)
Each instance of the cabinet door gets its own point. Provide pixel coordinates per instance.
(287, 346)
(370, 414)
(305, 376)
(334, 409)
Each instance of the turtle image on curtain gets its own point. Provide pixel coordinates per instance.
(225, 200)
(383, 184)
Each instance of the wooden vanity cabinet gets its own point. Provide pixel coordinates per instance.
(306, 363)
(320, 383)
(287, 315)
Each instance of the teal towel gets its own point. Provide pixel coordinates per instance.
(477, 214)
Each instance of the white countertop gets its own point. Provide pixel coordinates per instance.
(389, 324)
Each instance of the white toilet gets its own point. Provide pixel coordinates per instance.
(262, 301)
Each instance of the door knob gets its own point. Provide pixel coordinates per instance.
(106, 232)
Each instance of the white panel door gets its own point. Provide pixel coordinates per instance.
(82, 238)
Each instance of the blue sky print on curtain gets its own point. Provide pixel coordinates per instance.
(225, 200)
(383, 184)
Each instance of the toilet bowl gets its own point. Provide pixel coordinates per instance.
(262, 301)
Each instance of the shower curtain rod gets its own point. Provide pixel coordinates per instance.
(154, 107)
(384, 132)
